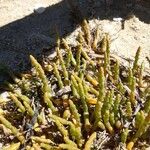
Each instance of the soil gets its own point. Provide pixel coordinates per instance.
(24, 31)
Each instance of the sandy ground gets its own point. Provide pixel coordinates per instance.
(24, 31)
(13, 10)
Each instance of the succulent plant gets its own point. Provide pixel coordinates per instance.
(83, 92)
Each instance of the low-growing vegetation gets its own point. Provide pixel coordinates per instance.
(83, 98)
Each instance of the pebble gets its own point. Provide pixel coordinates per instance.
(4, 95)
(39, 9)
(117, 19)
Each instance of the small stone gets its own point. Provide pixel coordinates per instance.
(39, 9)
(4, 97)
(117, 19)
